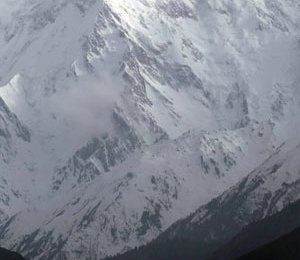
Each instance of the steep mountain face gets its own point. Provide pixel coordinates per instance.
(165, 80)
(135, 200)
(268, 189)
(138, 112)
(12, 132)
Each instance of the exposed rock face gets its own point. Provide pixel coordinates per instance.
(139, 112)
(268, 189)
(12, 131)
(152, 182)
(10, 128)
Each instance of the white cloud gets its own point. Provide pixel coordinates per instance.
(86, 108)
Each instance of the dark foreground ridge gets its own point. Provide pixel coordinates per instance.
(261, 233)
(9, 255)
(253, 236)
(287, 247)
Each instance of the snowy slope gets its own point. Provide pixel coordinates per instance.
(170, 102)
(268, 189)
(12, 133)
(239, 73)
(208, 59)
(108, 212)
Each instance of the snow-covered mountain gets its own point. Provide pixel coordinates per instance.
(268, 189)
(136, 112)
(99, 212)
(12, 132)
